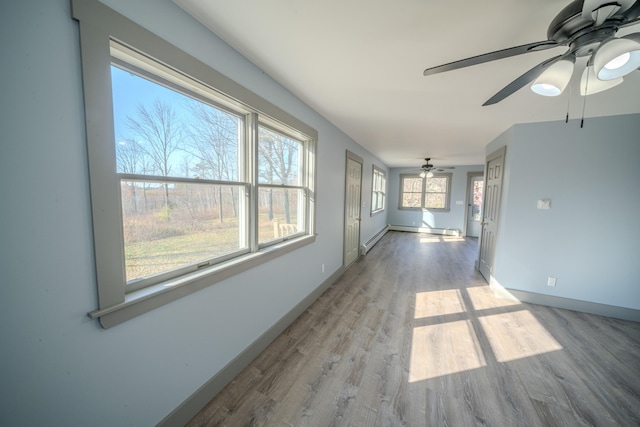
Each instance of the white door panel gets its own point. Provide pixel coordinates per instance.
(491, 207)
(352, 211)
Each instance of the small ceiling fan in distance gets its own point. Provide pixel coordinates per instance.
(587, 28)
(427, 169)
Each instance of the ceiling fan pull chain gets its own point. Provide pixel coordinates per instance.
(584, 101)
(566, 119)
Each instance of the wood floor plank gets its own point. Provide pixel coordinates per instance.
(411, 335)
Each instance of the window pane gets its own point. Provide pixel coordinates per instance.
(279, 158)
(411, 200)
(435, 200)
(411, 185)
(280, 213)
(478, 187)
(165, 133)
(437, 185)
(172, 225)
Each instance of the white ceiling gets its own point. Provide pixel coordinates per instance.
(359, 63)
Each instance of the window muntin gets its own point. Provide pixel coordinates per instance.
(432, 193)
(378, 190)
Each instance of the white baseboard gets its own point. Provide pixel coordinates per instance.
(366, 247)
(566, 303)
(430, 230)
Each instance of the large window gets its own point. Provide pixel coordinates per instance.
(190, 183)
(432, 193)
(179, 163)
(378, 190)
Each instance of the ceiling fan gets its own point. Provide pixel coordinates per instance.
(428, 169)
(587, 28)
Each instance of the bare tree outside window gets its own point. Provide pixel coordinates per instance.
(213, 140)
(278, 163)
(130, 159)
(160, 134)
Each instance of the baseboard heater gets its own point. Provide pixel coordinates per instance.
(366, 247)
(441, 231)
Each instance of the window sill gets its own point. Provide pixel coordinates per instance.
(147, 299)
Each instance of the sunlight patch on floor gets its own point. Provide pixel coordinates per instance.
(438, 303)
(517, 335)
(449, 347)
(482, 298)
(430, 239)
(443, 349)
(441, 238)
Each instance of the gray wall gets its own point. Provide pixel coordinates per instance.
(454, 219)
(58, 367)
(589, 238)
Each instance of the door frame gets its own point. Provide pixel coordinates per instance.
(470, 176)
(354, 157)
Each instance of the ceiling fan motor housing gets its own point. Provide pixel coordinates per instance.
(571, 27)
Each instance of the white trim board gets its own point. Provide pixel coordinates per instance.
(366, 247)
(566, 303)
(441, 231)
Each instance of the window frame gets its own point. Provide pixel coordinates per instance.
(377, 193)
(423, 192)
(99, 28)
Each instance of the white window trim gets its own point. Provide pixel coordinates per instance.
(447, 207)
(99, 25)
(375, 169)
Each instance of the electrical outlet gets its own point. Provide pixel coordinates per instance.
(322, 268)
(551, 281)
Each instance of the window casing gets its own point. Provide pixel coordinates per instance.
(198, 181)
(418, 193)
(378, 190)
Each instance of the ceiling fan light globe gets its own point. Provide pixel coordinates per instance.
(617, 57)
(591, 85)
(618, 61)
(554, 79)
(546, 89)
(429, 174)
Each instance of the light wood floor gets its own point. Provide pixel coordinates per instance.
(412, 336)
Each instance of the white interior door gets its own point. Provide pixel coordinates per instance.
(474, 207)
(352, 209)
(491, 206)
